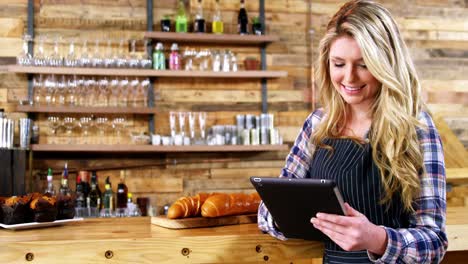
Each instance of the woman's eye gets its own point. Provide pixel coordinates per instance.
(339, 65)
(363, 66)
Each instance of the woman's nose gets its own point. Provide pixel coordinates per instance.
(350, 74)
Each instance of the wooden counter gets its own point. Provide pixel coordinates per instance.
(130, 240)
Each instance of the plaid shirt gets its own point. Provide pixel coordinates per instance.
(424, 241)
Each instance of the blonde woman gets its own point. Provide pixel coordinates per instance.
(374, 138)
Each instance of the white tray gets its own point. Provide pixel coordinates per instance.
(39, 225)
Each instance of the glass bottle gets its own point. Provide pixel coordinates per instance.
(80, 199)
(217, 24)
(159, 60)
(122, 191)
(181, 19)
(25, 58)
(108, 201)
(242, 19)
(50, 185)
(94, 197)
(64, 189)
(174, 58)
(199, 25)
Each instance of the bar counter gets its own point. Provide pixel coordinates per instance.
(135, 240)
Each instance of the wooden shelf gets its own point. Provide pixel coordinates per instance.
(145, 72)
(85, 110)
(151, 148)
(212, 38)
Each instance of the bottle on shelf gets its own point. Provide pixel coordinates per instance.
(122, 191)
(94, 198)
(64, 189)
(50, 185)
(217, 24)
(80, 199)
(199, 25)
(174, 58)
(132, 209)
(108, 200)
(65, 199)
(242, 19)
(181, 19)
(159, 60)
(85, 183)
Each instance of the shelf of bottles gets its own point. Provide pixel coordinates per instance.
(212, 38)
(151, 148)
(144, 72)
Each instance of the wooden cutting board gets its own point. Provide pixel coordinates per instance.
(194, 222)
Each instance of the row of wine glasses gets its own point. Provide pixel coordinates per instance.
(51, 90)
(192, 118)
(209, 60)
(91, 129)
(113, 55)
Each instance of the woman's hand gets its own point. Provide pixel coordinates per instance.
(353, 231)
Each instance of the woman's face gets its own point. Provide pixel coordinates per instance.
(350, 76)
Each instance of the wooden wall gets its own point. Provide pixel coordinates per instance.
(435, 31)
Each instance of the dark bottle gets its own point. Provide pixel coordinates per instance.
(80, 199)
(94, 197)
(85, 182)
(242, 20)
(122, 192)
(199, 25)
(94, 179)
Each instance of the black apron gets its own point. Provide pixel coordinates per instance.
(351, 166)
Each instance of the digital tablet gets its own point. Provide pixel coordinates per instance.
(293, 202)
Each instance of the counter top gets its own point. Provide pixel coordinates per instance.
(136, 240)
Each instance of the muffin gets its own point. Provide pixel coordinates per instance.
(44, 209)
(15, 209)
(65, 207)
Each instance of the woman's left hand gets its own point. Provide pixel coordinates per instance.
(353, 231)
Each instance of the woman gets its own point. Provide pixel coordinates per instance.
(374, 138)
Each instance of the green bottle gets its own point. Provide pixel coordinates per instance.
(181, 19)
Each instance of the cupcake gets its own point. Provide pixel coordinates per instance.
(44, 209)
(15, 209)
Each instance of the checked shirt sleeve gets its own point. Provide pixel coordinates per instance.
(297, 166)
(425, 241)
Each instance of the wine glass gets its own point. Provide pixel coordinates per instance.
(123, 92)
(85, 123)
(133, 59)
(134, 87)
(144, 92)
(146, 61)
(84, 60)
(118, 124)
(109, 61)
(202, 124)
(25, 58)
(96, 60)
(54, 58)
(40, 57)
(70, 59)
(182, 123)
(102, 97)
(61, 91)
(69, 124)
(114, 92)
(54, 124)
(71, 98)
(101, 124)
(37, 87)
(191, 120)
(172, 123)
(50, 85)
(121, 57)
(90, 92)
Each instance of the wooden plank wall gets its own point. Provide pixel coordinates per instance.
(435, 31)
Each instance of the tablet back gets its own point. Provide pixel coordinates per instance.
(293, 202)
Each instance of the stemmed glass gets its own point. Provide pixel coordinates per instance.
(71, 98)
(123, 92)
(90, 95)
(109, 61)
(70, 59)
(61, 91)
(50, 85)
(101, 124)
(69, 124)
(37, 86)
(182, 123)
(144, 92)
(114, 92)
(25, 58)
(121, 58)
(85, 123)
(40, 58)
(172, 123)
(191, 120)
(133, 60)
(134, 84)
(96, 60)
(118, 124)
(84, 60)
(55, 59)
(202, 124)
(102, 97)
(54, 124)
(146, 61)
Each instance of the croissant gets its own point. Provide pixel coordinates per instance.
(187, 206)
(230, 204)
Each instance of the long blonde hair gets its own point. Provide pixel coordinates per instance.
(393, 134)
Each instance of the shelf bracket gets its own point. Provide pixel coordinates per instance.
(149, 27)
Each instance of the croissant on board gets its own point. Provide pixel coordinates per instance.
(187, 206)
(223, 204)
